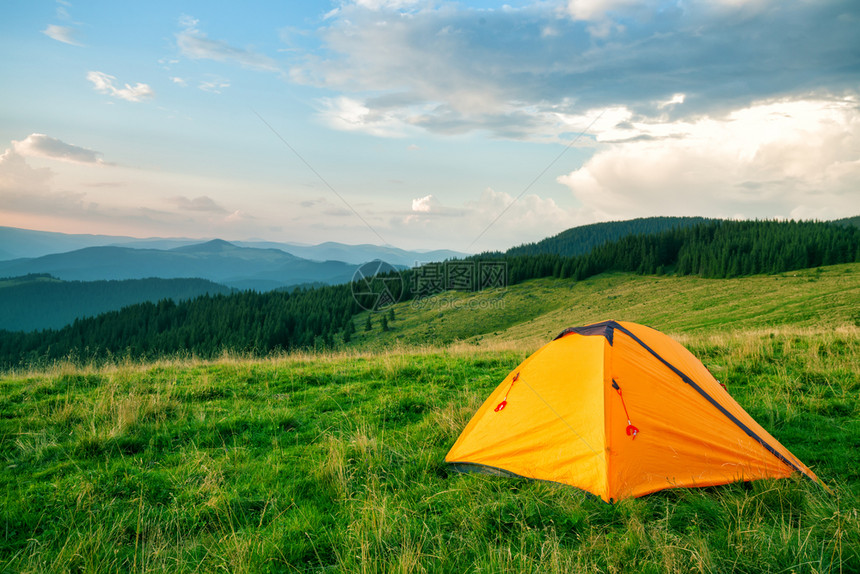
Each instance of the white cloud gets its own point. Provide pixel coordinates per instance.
(425, 204)
(597, 9)
(239, 217)
(63, 34)
(24, 189)
(674, 100)
(348, 114)
(196, 45)
(40, 145)
(214, 85)
(16, 175)
(104, 83)
(187, 21)
(781, 158)
(201, 203)
(384, 4)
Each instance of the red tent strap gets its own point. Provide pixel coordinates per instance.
(504, 402)
(631, 430)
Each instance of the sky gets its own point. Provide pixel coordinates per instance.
(469, 125)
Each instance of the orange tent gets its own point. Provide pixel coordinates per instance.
(619, 410)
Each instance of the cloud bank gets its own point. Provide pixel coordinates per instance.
(40, 145)
(526, 73)
(804, 154)
(727, 108)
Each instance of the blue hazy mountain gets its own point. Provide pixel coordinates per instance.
(333, 251)
(37, 302)
(216, 260)
(20, 243)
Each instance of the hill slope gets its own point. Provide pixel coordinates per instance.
(582, 239)
(535, 311)
(848, 221)
(31, 303)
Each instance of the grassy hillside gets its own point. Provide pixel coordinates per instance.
(309, 463)
(333, 462)
(533, 312)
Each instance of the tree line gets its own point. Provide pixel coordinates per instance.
(248, 322)
(714, 249)
(582, 239)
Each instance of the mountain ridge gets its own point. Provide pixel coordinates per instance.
(581, 239)
(219, 261)
(18, 243)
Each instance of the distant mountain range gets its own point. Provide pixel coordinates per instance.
(51, 290)
(357, 254)
(216, 260)
(25, 243)
(55, 278)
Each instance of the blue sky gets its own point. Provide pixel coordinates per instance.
(467, 125)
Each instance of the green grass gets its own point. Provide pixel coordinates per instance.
(535, 311)
(333, 463)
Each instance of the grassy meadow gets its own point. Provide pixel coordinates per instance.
(332, 462)
(531, 313)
